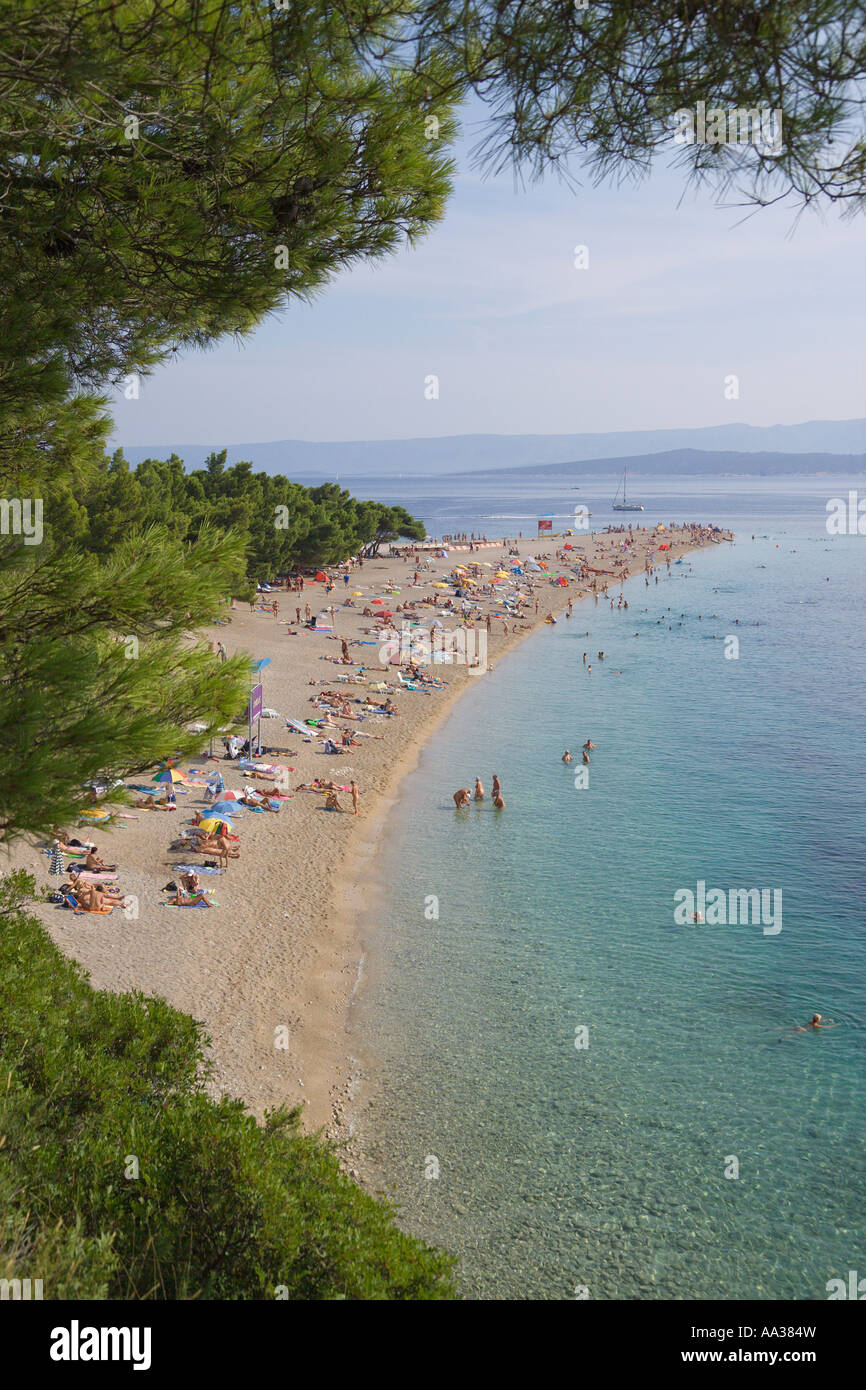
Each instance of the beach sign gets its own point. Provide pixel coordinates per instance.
(256, 703)
(545, 524)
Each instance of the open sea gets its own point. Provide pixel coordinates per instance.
(574, 1093)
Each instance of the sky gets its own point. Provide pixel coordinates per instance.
(679, 294)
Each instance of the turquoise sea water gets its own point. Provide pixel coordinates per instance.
(604, 1167)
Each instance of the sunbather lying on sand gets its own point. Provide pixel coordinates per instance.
(94, 898)
(183, 898)
(218, 846)
(67, 845)
(253, 797)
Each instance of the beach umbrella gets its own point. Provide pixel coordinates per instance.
(169, 774)
(215, 825)
(95, 815)
(440, 585)
(224, 807)
(357, 593)
(55, 868)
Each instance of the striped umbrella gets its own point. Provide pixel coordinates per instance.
(216, 825)
(169, 774)
(55, 868)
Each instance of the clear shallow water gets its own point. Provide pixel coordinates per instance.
(604, 1167)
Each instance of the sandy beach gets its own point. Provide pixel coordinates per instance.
(271, 969)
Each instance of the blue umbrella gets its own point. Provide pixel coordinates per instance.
(224, 808)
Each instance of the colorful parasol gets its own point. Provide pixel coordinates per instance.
(215, 825)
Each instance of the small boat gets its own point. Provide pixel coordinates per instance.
(625, 505)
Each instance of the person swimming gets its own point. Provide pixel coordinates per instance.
(816, 1021)
(479, 790)
(566, 757)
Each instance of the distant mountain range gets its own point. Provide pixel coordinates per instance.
(759, 447)
(693, 463)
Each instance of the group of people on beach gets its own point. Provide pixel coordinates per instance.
(464, 796)
(91, 894)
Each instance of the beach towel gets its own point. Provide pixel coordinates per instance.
(194, 869)
(87, 911)
(198, 904)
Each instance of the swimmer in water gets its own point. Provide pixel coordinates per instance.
(479, 790)
(586, 757)
(566, 757)
(461, 797)
(589, 743)
(499, 802)
(816, 1022)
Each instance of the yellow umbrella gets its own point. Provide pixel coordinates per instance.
(440, 586)
(215, 823)
(356, 593)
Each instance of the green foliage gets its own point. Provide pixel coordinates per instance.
(599, 81)
(222, 1208)
(100, 670)
(281, 524)
(173, 170)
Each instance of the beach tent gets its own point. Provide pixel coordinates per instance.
(321, 578)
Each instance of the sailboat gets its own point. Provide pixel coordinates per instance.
(625, 505)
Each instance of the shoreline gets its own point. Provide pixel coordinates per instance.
(284, 951)
(357, 876)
